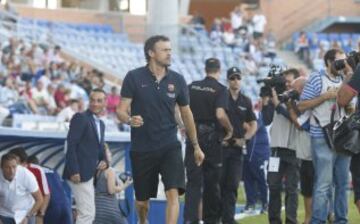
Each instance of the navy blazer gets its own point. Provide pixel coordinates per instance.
(84, 150)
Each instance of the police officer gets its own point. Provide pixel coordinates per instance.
(239, 112)
(208, 102)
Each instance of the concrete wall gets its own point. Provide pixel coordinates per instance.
(285, 17)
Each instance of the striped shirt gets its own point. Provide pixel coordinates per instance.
(314, 88)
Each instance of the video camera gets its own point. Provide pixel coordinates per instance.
(289, 95)
(353, 59)
(275, 80)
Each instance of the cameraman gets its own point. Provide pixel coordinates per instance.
(283, 161)
(330, 167)
(239, 112)
(350, 89)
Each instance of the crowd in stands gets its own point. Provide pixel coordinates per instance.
(311, 47)
(36, 79)
(244, 32)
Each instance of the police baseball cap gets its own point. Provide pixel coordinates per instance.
(212, 63)
(233, 71)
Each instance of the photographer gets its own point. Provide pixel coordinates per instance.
(239, 112)
(350, 89)
(330, 167)
(302, 144)
(283, 161)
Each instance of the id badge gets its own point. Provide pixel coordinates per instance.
(274, 164)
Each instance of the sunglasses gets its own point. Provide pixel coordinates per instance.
(234, 78)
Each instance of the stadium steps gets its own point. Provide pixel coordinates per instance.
(292, 60)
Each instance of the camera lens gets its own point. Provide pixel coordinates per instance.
(339, 64)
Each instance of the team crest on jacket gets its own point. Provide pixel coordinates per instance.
(171, 88)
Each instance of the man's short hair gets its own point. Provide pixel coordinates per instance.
(20, 153)
(7, 157)
(98, 90)
(330, 55)
(212, 65)
(292, 71)
(33, 159)
(150, 43)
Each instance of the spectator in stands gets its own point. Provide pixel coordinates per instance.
(52, 108)
(106, 188)
(74, 71)
(229, 37)
(59, 208)
(60, 97)
(42, 98)
(56, 56)
(331, 168)
(8, 93)
(155, 148)
(85, 153)
(20, 197)
(112, 100)
(236, 18)
(40, 179)
(303, 48)
(68, 112)
(26, 96)
(53, 71)
(216, 35)
(250, 64)
(256, 52)
(217, 24)
(242, 39)
(259, 22)
(197, 20)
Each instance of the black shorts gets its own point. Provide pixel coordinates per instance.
(307, 178)
(146, 167)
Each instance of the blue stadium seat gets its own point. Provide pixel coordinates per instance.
(334, 37)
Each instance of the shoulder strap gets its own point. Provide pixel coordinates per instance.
(332, 115)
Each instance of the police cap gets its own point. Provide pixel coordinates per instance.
(233, 71)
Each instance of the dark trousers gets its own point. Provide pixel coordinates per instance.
(355, 173)
(255, 181)
(289, 171)
(205, 179)
(230, 177)
(6, 220)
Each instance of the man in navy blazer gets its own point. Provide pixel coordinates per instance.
(85, 154)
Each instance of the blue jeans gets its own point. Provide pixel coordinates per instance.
(331, 169)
